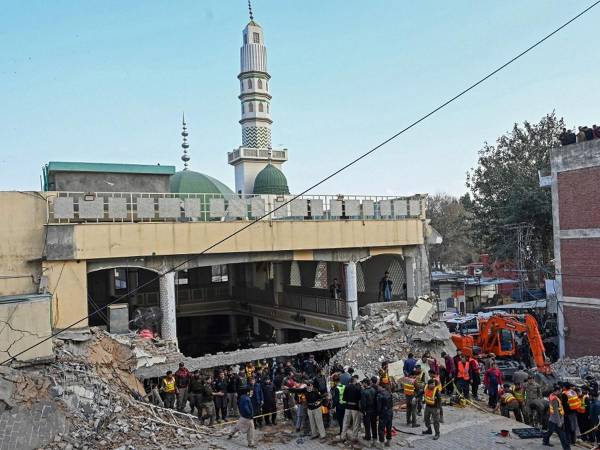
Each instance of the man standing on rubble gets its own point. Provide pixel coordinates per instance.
(352, 417)
(533, 403)
(183, 381)
(314, 399)
(385, 288)
(244, 423)
(433, 404)
(207, 410)
(195, 393)
(169, 390)
(556, 420)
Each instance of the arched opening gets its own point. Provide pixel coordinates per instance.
(250, 107)
(249, 84)
(261, 108)
(260, 83)
(373, 271)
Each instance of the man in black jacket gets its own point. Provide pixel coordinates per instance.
(195, 396)
(268, 406)
(352, 417)
(385, 412)
(368, 406)
(314, 400)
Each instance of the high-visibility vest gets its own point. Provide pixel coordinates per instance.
(341, 388)
(573, 400)
(519, 394)
(581, 408)
(463, 371)
(507, 398)
(561, 411)
(169, 385)
(430, 395)
(383, 375)
(409, 386)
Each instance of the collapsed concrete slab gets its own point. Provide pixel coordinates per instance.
(421, 313)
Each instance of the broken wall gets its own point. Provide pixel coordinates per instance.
(25, 321)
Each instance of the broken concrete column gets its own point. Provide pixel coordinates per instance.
(411, 286)
(351, 296)
(168, 327)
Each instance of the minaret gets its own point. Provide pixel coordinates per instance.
(184, 145)
(255, 152)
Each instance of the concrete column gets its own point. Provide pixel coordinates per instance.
(279, 336)
(278, 281)
(255, 326)
(233, 327)
(411, 284)
(230, 278)
(351, 296)
(168, 328)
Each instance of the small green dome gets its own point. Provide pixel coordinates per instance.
(188, 181)
(271, 180)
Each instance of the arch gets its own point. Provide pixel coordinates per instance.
(243, 108)
(260, 83)
(250, 107)
(249, 83)
(374, 268)
(321, 281)
(261, 108)
(295, 278)
(268, 108)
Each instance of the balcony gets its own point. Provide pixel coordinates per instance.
(258, 154)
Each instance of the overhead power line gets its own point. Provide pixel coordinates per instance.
(328, 177)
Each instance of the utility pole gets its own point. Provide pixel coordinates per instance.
(524, 233)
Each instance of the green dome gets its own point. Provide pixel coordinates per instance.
(271, 180)
(188, 181)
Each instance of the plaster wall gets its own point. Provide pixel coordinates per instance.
(67, 281)
(110, 182)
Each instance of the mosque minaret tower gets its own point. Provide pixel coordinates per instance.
(256, 152)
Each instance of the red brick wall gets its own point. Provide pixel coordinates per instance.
(579, 198)
(583, 335)
(580, 261)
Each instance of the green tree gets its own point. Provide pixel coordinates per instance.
(504, 190)
(450, 218)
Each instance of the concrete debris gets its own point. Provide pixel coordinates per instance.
(386, 335)
(577, 368)
(422, 312)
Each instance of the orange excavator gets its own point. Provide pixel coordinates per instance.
(505, 335)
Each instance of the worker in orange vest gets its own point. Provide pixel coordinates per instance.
(570, 403)
(583, 413)
(556, 419)
(462, 376)
(509, 403)
(433, 402)
(518, 390)
(410, 391)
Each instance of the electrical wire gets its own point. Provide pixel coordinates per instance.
(333, 174)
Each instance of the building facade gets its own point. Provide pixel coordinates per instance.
(575, 183)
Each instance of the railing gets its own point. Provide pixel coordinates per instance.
(256, 153)
(94, 207)
(202, 294)
(321, 305)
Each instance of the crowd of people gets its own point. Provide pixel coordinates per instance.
(584, 133)
(315, 397)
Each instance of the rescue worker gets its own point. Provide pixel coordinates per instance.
(385, 412)
(195, 395)
(207, 410)
(583, 413)
(433, 402)
(384, 375)
(182, 377)
(492, 380)
(219, 388)
(338, 402)
(368, 406)
(570, 403)
(556, 420)
(249, 371)
(314, 400)
(244, 423)
(408, 385)
(475, 375)
(169, 389)
(462, 376)
(518, 391)
(419, 376)
(433, 376)
(509, 403)
(534, 406)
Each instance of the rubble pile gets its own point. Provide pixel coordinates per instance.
(91, 382)
(386, 335)
(579, 367)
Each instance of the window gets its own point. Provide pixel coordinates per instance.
(267, 107)
(249, 84)
(219, 274)
(242, 108)
(321, 275)
(120, 279)
(261, 108)
(256, 37)
(250, 107)
(260, 84)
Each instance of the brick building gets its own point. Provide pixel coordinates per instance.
(575, 173)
